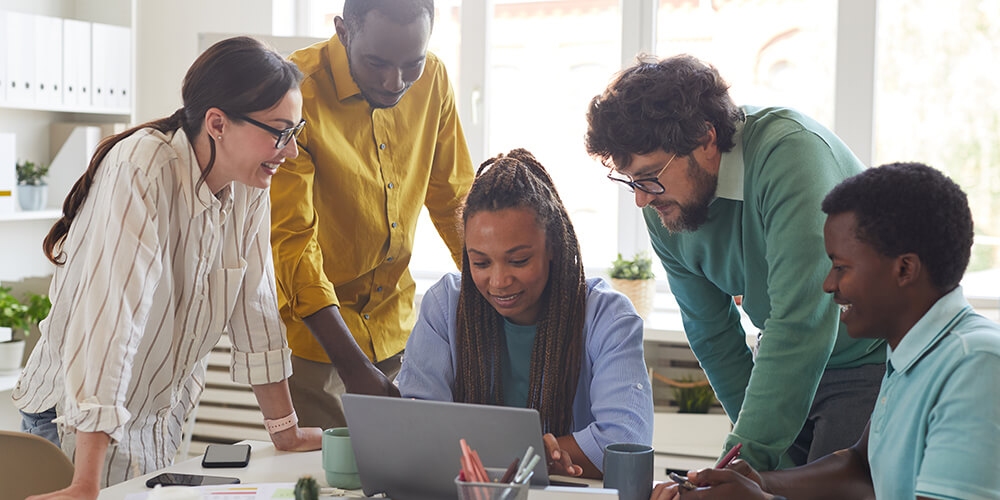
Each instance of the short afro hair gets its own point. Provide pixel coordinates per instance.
(398, 11)
(910, 208)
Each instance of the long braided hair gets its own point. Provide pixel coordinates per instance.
(517, 180)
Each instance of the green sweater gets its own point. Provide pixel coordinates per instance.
(764, 241)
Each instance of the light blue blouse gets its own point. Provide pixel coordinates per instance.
(613, 402)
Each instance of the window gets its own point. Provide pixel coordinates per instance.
(938, 102)
(548, 60)
(772, 52)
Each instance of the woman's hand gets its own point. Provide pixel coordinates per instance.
(75, 491)
(560, 462)
(298, 439)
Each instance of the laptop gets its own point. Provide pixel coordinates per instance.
(409, 449)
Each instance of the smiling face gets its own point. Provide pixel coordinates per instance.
(509, 261)
(385, 58)
(246, 154)
(863, 282)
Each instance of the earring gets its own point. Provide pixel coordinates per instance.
(220, 137)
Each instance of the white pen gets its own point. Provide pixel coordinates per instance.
(526, 471)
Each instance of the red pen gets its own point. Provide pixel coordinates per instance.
(728, 459)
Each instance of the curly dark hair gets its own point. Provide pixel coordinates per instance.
(667, 104)
(910, 208)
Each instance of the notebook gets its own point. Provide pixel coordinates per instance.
(408, 448)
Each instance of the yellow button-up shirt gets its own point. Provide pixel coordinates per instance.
(345, 211)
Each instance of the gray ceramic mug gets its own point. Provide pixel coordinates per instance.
(628, 468)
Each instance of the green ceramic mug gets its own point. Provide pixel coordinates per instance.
(338, 459)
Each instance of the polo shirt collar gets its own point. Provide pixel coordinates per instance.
(731, 168)
(931, 328)
(341, 70)
(197, 201)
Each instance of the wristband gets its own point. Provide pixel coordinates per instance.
(279, 424)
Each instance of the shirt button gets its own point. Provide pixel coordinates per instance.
(381, 146)
(366, 316)
(389, 259)
(393, 224)
(379, 289)
(391, 185)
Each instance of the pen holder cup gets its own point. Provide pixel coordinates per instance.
(493, 490)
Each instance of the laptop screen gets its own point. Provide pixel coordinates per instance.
(409, 449)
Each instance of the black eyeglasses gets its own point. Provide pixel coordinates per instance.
(284, 136)
(649, 185)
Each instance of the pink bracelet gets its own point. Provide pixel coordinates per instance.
(280, 424)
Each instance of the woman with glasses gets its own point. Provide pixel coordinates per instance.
(523, 327)
(163, 245)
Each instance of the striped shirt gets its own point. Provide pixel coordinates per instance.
(157, 268)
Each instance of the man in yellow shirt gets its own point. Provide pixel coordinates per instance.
(383, 138)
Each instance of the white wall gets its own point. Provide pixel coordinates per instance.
(166, 41)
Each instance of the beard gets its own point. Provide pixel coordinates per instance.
(695, 213)
(365, 93)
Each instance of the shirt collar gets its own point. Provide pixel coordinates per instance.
(341, 70)
(731, 168)
(190, 175)
(931, 328)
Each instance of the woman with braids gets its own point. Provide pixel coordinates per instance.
(523, 327)
(163, 244)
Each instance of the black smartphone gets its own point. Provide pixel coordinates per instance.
(571, 484)
(177, 479)
(226, 455)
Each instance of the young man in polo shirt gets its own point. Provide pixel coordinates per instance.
(899, 237)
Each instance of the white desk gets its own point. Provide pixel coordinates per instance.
(268, 465)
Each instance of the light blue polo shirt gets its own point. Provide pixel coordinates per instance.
(935, 430)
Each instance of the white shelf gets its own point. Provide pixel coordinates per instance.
(48, 214)
(60, 108)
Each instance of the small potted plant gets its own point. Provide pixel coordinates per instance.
(16, 320)
(32, 192)
(635, 279)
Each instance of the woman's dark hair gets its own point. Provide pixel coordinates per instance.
(239, 75)
(517, 180)
(665, 104)
(910, 208)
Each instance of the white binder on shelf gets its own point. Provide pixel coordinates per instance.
(20, 35)
(3, 58)
(48, 54)
(76, 63)
(121, 68)
(8, 174)
(101, 55)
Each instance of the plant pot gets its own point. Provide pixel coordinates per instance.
(11, 353)
(640, 292)
(32, 198)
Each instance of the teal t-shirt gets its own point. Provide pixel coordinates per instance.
(517, 362)
(935, 430)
